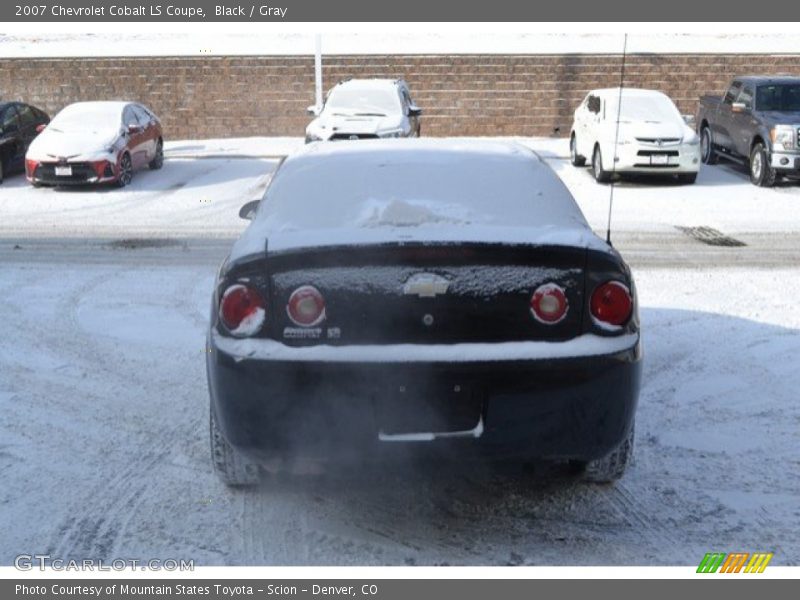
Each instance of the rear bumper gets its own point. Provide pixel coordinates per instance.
(578, 407)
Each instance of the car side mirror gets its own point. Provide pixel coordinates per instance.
(739, 107)
(313, 110)
(134, 128)
(40, 127)
(414, 111)
(248, 210)
(689, 120)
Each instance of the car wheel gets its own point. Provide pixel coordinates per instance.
(761, 172)
(230, 465)
(600, 174)
(707, 152)
(612, 467)
(158, 159)
(687, 178)
(125, 170)
(576, 159)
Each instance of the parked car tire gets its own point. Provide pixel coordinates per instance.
(687, 178)
(125, 170)
(707, 152)
(230, 465)
(612, 467)
(576, 159)
(761, 172)
(600, 175)
(158, 159)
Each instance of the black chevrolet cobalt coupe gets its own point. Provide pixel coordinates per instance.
(421, 293)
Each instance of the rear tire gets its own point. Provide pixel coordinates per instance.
(233, 468)
(707, 152)
(600, 175)
(576, 159)
(611, 467)
(761, 172)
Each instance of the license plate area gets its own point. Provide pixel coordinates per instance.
(659, 159)
(63, 171)
(409, 408)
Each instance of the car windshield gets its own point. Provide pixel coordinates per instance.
(83, 118)
(654, 109)
(783, 97)
(352, 100)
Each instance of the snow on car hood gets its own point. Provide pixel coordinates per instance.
(418, 190)
(651, 129)
(53, 143)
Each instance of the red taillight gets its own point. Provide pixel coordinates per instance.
(242, 310)
(611, 304)
(306, 306)
(549, 304)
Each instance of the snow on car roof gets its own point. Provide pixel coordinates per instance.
(379, 191)
(368, 83)
(90, 108)
(630, 93)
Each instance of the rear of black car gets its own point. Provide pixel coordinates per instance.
(515, 349)
(471, 362)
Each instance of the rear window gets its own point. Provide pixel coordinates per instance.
(411, 189)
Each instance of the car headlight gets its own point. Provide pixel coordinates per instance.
(391, 133)
(782, 136)
(692, 140)
(313, 137)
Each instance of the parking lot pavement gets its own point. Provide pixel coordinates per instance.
(103, 422)
(197, 197)
(103, 400)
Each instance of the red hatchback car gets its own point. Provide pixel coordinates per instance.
(96, 142)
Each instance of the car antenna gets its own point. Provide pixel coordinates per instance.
(616, 139)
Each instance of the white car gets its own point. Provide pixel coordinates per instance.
(653, 137)
(365, 108)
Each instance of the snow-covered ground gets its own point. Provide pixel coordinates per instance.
(103, 401)
(391, 39)
(104, 453)
(193, 197)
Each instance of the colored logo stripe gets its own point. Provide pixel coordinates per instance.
(758, 562)
(734, 562)
(711, 562)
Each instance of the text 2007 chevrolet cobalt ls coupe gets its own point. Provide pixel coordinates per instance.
(421, 292)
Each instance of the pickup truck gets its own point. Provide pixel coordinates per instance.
(756, 123)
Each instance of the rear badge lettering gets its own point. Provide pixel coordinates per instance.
(304, 333)
(425, 285)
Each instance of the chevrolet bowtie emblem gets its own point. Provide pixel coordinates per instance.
(425, 285)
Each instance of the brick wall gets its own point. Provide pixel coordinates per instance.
(460, 95)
